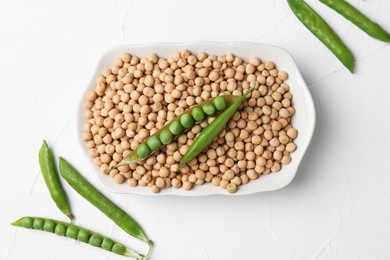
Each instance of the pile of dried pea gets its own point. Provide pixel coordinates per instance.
(138, 97)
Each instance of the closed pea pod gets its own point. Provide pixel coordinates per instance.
(212, 130)
(314, 23)
(96, 198)
(82, 234)
(177, 126)
(50, 175)
(358, 18)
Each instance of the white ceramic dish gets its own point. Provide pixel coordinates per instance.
(303, 120)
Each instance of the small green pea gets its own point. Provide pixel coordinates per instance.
(187, 121)
(38, 223)
(143, 151)
(27, 222)
(83, 235)
(72, 231)
(118, 249)
(107, 244)
(166, 136)
(154, 143)
(176, 127)
(95, 240)
(49, 225)
(209, 109)
(220, 103)
(60, 229)
(198, 114)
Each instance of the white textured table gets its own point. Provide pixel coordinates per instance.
(336, 208)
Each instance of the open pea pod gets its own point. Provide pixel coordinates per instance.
(176, 127)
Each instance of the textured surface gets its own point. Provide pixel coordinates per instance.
(337, 207)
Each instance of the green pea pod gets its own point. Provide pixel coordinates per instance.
(143, 151)
(358, 18)
(96, 198)
(208, 134)
(314, 23)
(52, 180)
(79, 233)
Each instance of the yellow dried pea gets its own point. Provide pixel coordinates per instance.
(138, 96)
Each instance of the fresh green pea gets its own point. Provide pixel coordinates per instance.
(107, 244)
(209, 109)
(38, 223)
(143, 150)
(72, 231)
(212, 130)
(28, 222)
(83, 235)
(220, 103)
(166, 137)
(49, 225)
(154, 143)
(60, 229)
(52, 180)
(118, 249)
(176, 127)
(95, 240)
(187, 121)
(198, 114)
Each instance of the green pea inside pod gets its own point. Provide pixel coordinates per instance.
(166, 137)
(95, 240)
(220, 103)
(60, 229)
(27, 222)
(118, 249)
(49, 225)
(187, 121)
(176, 127)
(209, 109)
(198, 114)
(83, 235)
(154, 143)
(72, 231)
(38, 223)
(143, 151)
(107, 244)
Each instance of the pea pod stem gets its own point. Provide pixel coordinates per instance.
(96, 198)
(358, 18)
(134, 158)
(208, 134)
(52, 180)
(26, 221)
(318, 26)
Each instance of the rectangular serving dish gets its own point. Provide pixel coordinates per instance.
(303, 120)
